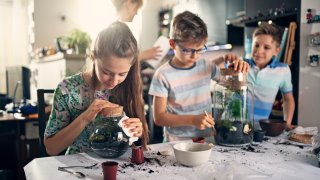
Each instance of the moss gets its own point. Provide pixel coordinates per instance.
(226, 124)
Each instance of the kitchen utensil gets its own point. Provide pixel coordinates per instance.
(192, 154)
(77, 173)
(213, 130)
(80, 166)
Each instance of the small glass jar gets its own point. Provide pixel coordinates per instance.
(108, 139)
(233, 109)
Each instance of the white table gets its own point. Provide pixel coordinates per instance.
(268, 161)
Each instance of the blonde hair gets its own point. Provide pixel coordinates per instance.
(118, 4)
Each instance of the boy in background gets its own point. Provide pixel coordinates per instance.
(268, 75)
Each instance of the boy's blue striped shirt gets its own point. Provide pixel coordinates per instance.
(266, 83)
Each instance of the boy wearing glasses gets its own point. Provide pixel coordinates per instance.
(181, 87)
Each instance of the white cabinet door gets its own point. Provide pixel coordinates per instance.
(47, 74)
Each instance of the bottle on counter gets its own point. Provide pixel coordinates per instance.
(233, 109)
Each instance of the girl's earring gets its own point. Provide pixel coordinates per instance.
(171, 42)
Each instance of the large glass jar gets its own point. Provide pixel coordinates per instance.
(108, 139)
(233, 109)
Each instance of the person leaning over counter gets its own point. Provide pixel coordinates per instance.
(114, 71)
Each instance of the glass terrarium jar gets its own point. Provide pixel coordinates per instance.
(108, 139)
(233, 109)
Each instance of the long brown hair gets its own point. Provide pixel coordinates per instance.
(118, 41)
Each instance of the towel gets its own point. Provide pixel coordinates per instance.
(127, 130)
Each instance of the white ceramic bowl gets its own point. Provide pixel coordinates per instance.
(192, 154)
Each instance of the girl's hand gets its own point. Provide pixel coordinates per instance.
(203, 121)
(236, 63)
(135, 126)
(95, 107)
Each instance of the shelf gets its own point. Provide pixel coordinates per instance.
(236, 22)
(277, 19)
(59, 56)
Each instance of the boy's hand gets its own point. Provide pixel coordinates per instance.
(290, 127)
(229, 58)
(202, 121)
(236, 63)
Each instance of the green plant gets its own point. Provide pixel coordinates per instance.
(230, 102)
(234, 107)
(78, 40)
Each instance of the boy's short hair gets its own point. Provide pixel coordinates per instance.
(119, 3)
(269, 29)
(187, 26)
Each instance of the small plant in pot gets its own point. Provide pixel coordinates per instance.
(78, 40)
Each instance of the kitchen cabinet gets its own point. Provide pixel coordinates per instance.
(8, 162)
(47, 72)
(19, 147)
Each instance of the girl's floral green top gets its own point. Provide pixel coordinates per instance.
(72, 97)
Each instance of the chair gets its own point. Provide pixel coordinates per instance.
(156, 132)
(42, 118)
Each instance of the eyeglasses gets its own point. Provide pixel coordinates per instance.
(187, 51)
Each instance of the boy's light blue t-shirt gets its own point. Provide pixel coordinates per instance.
(266, 83)
(187, 91)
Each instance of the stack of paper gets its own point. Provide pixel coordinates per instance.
(163, 43)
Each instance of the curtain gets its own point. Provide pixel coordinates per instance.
(13, 35)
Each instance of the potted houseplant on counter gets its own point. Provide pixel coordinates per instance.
(78, 40)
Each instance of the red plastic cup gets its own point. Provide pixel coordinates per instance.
(137, 155)
(109, 169)
(198, 140)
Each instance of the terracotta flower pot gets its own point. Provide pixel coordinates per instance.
(137, 155)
